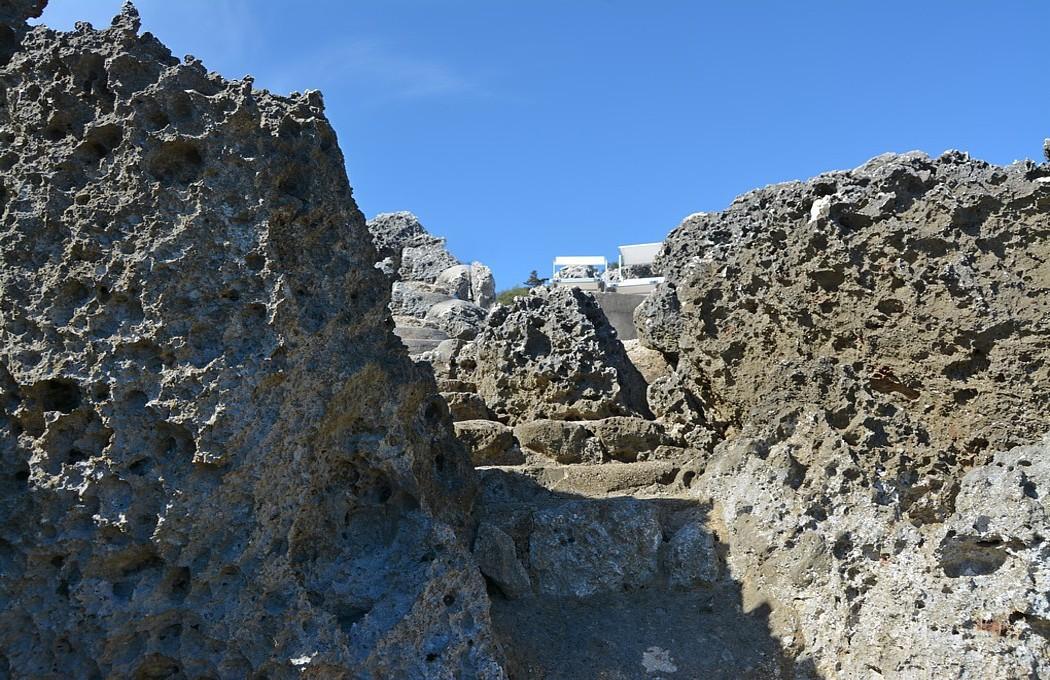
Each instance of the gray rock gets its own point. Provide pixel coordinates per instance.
(466, 406)
(623, 438)
(455, 281)
(649, 362)
(846, 576)
(498, 559)
(582, 548)
(560, 440)
(578, 271)
(459, 318)
(424, 262)
(489, 442)
(553, 354)
(415, 298)
(691, 558)
(217, 461)
(658, 320)
(482, 285)
(1046, 149)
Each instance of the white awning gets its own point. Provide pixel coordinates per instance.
(588, 261)
(639, 254)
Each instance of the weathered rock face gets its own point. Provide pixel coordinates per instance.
(553, 354)
(848, 582)
(216, 459)
(926, 276)
(864, 342)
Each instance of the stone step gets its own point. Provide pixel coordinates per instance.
(645, 479)
(420, 333)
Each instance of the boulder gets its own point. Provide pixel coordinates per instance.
(649, 362)
(553, 354)
(852, 339)
(415, 298)
(623, 437)
(489, 442)
(455, 281)
(560, 440)
(216, 459)
(482, 286)
(582, 548)
(459, 318)
(466, 406)
(498, 560)
(425, 261)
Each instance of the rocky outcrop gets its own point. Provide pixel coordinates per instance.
(433, 297)
(848, 581)
(552, 354)
(217, 461)
(870, 346)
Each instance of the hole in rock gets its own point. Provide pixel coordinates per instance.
(176, 162)
(58, 394)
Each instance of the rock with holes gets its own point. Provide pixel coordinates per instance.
(498, 559)
(846, 577)
(215, 458)
(459, 318)
(925, 275)
(415, 298)
(466, 406)
(625, 438)
(650, 363)
(562, 441)
(581, 548)
(489, 442)
(553, 354)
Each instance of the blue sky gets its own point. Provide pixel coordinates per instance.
(524, 130)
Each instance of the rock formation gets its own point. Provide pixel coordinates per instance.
(872, 346)
(553, 354)
(217, 460)
(434, 297)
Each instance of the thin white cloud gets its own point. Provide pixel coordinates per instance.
(381, 70)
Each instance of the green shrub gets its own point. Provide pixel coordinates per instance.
(504, 297)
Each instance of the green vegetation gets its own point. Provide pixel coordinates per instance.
(504, 297)
(534, 280)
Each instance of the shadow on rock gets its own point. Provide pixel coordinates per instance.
(615, 587)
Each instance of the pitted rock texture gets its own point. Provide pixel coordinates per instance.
(552, 354)
(928, 277)
(217, 461)
(854, 589)
(862, 344)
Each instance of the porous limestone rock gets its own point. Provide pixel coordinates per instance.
(415, 298)
(405, 250)
(471, 282)
(651, 363)
(553, 354)
(926, 275)
(489, 442)
(482, 285)
(498, 559)
(562, 441)
(856, 588)
(459, 318)
(466, 406)
(864, 342)
(623, 438)
(216, 459)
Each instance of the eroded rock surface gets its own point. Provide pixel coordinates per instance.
(217, 459)
(553, 354)
(864, 344)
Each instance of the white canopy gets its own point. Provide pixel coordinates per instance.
(638, 254)
(574, 260)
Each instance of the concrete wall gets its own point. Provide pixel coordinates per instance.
(620, 310)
